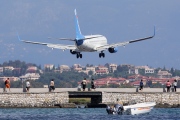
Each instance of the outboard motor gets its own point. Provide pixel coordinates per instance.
(109, 110)
(117, 109)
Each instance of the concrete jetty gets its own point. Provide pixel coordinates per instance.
(41, 97)
(37, 90)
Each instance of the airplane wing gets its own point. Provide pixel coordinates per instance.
(104, 47)
(57, 46)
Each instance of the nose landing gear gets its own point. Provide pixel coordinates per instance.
(101, 55)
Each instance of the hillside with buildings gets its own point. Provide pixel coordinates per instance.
(108, 75)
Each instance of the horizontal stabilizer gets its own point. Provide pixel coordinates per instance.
(34, 42)
(70, 39)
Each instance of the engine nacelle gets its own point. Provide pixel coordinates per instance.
(73, 52)
(113, 50)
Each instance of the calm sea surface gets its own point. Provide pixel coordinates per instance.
(83, 114)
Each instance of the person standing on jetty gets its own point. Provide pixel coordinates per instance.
(175, 85)
(92, 85)
(83, 83)
(141, 85)
(7, 85)
(168, 85)
(27, 85)
(51, 87)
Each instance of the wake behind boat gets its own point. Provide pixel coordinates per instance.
(135, 109)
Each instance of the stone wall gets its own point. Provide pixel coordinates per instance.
(61, 99)
(33, 99)
(159, 98)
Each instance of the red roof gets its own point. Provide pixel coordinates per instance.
(101, 71)
(135, 83)
(111, 79)
(137, 76)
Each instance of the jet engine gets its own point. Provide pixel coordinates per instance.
(113, 50)
(73, 52)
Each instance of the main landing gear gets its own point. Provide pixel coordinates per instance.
(101, 55)
(79, 55)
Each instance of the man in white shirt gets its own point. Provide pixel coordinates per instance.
(83, 83)
(27, 86)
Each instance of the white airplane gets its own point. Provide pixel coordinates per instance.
(88, 43)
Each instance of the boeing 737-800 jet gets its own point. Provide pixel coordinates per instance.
(88, 43)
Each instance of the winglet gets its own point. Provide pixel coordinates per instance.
(18, 37)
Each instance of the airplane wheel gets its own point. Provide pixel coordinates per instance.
(80, 55)
(99, 55)
(103, 55)
(77, 55)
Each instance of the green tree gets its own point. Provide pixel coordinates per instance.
(141, 71)
(90, 72)
(122, 68)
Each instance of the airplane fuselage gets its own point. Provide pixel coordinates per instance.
(92, 42)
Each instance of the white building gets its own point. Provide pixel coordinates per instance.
(76, 66)
(9, 68)
(164, 74)
(91, 69)
(32, 68)
(102, 70)
(30, 76)
(48, 66)
(78, 69)
(148, 70)
(133, 71)
(112, 67)
(64, 68)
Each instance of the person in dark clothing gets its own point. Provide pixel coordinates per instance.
(175, 85)
(141, 85)
(51, 86)
(92, 84)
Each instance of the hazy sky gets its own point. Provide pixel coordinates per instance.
(118, 20)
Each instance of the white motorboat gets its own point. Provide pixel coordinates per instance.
(135, 109)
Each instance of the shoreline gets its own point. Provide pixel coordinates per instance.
(72, 105)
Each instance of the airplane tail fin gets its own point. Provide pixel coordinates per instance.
(78, 31)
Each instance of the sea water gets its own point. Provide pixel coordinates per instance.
(83, 114)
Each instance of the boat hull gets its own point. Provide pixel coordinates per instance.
(139, 108)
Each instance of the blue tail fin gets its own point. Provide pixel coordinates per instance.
(78, 31)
